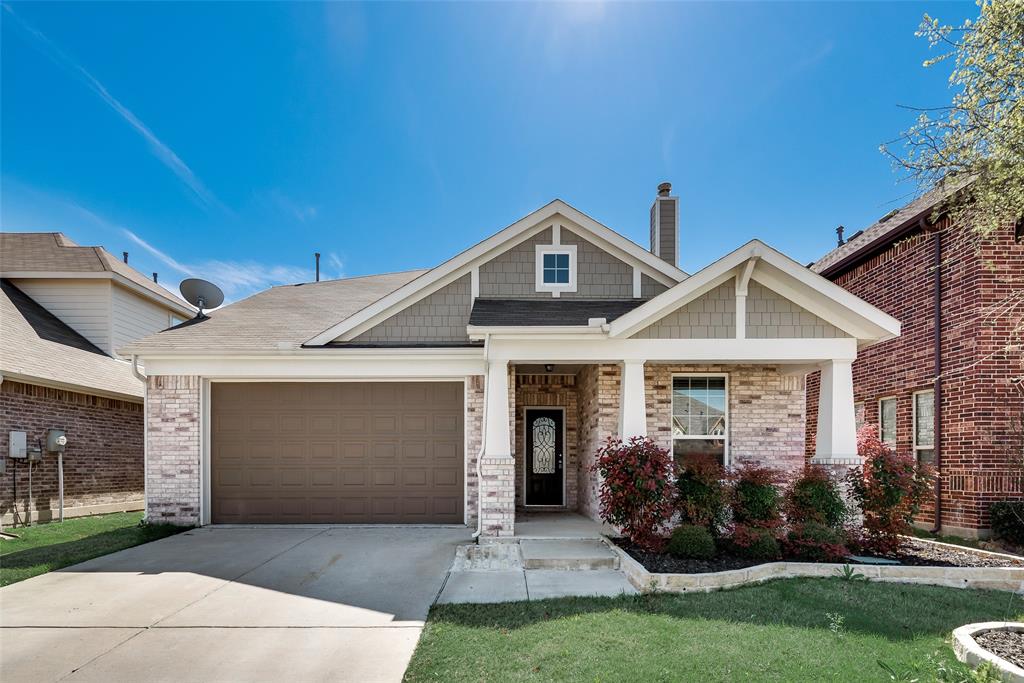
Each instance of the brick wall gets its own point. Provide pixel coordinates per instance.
(174, 459)
(598, 392)
(766, 412)
(474, 433)
(103, 461)
(978, 400)
(548, 391)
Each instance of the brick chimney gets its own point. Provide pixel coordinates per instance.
(665, 225)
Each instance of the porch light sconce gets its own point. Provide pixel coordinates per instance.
(549, 368)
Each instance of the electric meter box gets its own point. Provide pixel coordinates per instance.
(18, 445)
(56, 441)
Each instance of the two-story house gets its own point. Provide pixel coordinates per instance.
(64, 310)
(950, 388)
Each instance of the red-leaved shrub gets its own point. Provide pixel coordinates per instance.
(755, 542)
(636, 489)
(814, 497)
(702, 496)
(889, 489)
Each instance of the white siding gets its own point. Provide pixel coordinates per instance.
(84, 305)
(135, 317)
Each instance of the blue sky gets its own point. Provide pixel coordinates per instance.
(232, 140)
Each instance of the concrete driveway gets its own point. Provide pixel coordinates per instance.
(245, 604)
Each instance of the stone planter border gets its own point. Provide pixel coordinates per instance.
(993, 578)
(968, 651)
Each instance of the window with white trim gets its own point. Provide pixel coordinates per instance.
(887, 421)
(924, 426)
(556, 268)
(700, 414)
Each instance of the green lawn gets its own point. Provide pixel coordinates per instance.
(46, 547)
(788, 630)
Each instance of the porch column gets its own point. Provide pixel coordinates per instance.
(837, 425)
(632, 401)
(497, 466)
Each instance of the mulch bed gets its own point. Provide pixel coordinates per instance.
(915, 552)
(1006, 644)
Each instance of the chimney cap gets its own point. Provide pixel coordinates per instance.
(664, 189)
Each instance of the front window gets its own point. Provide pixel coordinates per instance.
(887, 421)
(700, 417)
(556, 269)
(924, 427)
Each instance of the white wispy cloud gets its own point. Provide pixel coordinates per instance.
(162, 152)
(299, 211)
(337, 264)
(238, 279)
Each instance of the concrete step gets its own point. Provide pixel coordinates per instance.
(567, 554)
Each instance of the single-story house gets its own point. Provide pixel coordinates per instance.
(483, 387)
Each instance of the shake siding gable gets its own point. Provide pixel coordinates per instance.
(440, 317)
(772, 316)
(711, 316)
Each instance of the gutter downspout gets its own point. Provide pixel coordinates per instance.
(937, 387)
(483, 441)
(145, 434)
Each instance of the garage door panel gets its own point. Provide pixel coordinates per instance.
(343, 452)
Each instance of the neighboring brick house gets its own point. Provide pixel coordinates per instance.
(63, 310)
(480, 390)
(920, 269)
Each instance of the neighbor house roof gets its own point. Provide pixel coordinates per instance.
(280, 318)
(547, 312)
(53, 254)
(39, 348)
(884, 231)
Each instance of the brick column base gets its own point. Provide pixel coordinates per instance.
(497, 490)
(173, 458)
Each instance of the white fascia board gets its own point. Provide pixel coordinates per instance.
(322, 367)
(771, 351)
(888, 326)
(533, 331)
(689, 289)
(785, 276)
(77, 388)
(521, 230)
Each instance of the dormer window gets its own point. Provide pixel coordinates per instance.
(556, 268)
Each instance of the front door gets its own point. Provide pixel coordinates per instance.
(545, 446)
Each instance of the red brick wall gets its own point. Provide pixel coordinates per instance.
(103, 462)
(977, 396)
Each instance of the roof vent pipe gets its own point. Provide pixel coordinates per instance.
(154, 277)
(839, 236)
(124, 255)
(317, 256)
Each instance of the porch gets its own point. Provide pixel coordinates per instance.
(558, 415)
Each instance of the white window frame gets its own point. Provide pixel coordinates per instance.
(726, 456)
(913, 424)
(895, 430)
(555, 288)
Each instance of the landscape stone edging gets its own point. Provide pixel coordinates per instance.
(971, 653)
(992, 578)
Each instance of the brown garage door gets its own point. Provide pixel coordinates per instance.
(336, 452)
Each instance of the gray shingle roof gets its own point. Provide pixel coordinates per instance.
(517, 312)
(279, 318)
(36, 345)
(53, 252)
(889, 223)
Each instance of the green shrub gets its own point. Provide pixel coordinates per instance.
(755, 498)
(815, 542)
(814, 497)
(1008, 521)
(701, 495)
(755, 543)
(692, 541)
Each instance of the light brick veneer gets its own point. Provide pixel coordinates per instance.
(474, 432)
(766, 412)
(497, 486)
(597, 390)
(173, 450)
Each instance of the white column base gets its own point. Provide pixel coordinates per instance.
(633, 401)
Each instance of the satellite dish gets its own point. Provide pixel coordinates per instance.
(201, 294)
